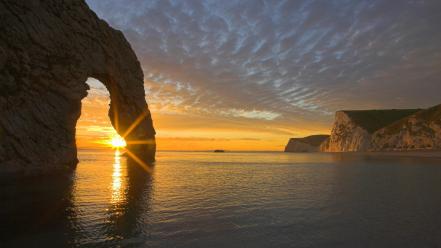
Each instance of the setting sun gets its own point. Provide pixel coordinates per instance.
(117, 141)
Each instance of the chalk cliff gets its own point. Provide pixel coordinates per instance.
(48, 49)
(377, 130)
(420, 131)
(306, 144)
(352, 130)
(346, 135)
(384, 130)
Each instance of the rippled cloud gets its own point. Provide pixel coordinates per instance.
(282, 60)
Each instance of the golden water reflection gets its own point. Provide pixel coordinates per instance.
(117, 179)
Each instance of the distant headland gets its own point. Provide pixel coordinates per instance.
(377, 130)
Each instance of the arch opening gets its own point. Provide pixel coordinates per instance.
(94, 128)
(105, 121)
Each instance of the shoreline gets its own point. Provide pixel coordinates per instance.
(420, 154)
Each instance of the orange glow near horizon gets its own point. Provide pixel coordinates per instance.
(188, 131)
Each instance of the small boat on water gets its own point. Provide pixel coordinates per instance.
(219, 150)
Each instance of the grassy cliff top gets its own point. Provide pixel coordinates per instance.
(314, 140)
(373, 120)
(430, 115)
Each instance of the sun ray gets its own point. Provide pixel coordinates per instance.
(141, 142)
(135, 123)
(115, 116)
(139, 161)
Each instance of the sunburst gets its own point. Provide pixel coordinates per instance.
(117, 141)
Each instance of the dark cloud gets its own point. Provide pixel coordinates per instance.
(292, 58)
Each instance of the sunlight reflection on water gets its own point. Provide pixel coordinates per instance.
(205, 199)
(117, 179)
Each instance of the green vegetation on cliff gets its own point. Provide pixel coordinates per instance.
(373, 120)
(314, 140)
(430, 115)
(305, 144)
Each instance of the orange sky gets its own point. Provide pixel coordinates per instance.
(181, 129)
(247, 76)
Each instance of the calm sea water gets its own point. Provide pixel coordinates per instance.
(205, 199)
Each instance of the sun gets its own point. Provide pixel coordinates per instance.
(117, 141)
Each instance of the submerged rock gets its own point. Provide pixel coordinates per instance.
(48, 49)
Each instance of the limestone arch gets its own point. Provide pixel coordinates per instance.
(48, 49)
(129, 115)
(123, 121)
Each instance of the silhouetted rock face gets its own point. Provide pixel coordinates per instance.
(48, 49)
(306, 144)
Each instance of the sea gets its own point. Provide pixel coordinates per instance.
(230, 199)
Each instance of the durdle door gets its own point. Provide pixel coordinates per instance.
(48, 49)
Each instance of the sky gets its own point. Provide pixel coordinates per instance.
(249, 75)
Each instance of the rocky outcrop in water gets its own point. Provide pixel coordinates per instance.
(48, 49)
(306, 144)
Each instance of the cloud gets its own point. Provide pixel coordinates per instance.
(282, 59)
(253, 114)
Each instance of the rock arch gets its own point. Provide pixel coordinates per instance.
(48, 49)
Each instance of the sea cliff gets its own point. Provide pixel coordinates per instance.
(379, 130)
(353, 129)
(420, 131)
